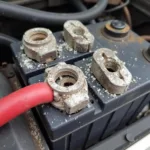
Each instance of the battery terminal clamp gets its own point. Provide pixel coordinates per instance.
(40, 45)
(77, 36)
(70, 87)
(110, 71)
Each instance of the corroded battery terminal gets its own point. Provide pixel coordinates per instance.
(110, 71)
(40, 45)
(77, 36)
(70, 87)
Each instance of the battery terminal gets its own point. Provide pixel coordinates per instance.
(110, 71)
(70, 87)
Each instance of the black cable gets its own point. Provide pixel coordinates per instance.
(24, 2)
(81, 7)
(6, 39)
(49, 18)
(118, 7)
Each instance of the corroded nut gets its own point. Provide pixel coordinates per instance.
(40, 44)
(70, 87)
(110, 71)
(77, 36)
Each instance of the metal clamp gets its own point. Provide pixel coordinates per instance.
(70, 87)
(110, 71)
(77, 36)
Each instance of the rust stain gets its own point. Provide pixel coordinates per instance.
(111, 39)
(35, 131)
(133, 38)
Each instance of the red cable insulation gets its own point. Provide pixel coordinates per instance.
(24, 99)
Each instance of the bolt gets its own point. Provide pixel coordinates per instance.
(117, 24)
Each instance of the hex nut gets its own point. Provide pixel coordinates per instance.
(110, 71)
(70, 87)
(77, 36)
(40, 45)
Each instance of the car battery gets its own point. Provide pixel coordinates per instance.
(106, 112)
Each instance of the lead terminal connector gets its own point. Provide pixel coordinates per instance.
(70, 87)
(77, 36)
(40, 44)
(110, 71)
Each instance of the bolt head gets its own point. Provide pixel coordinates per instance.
(117, 24)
